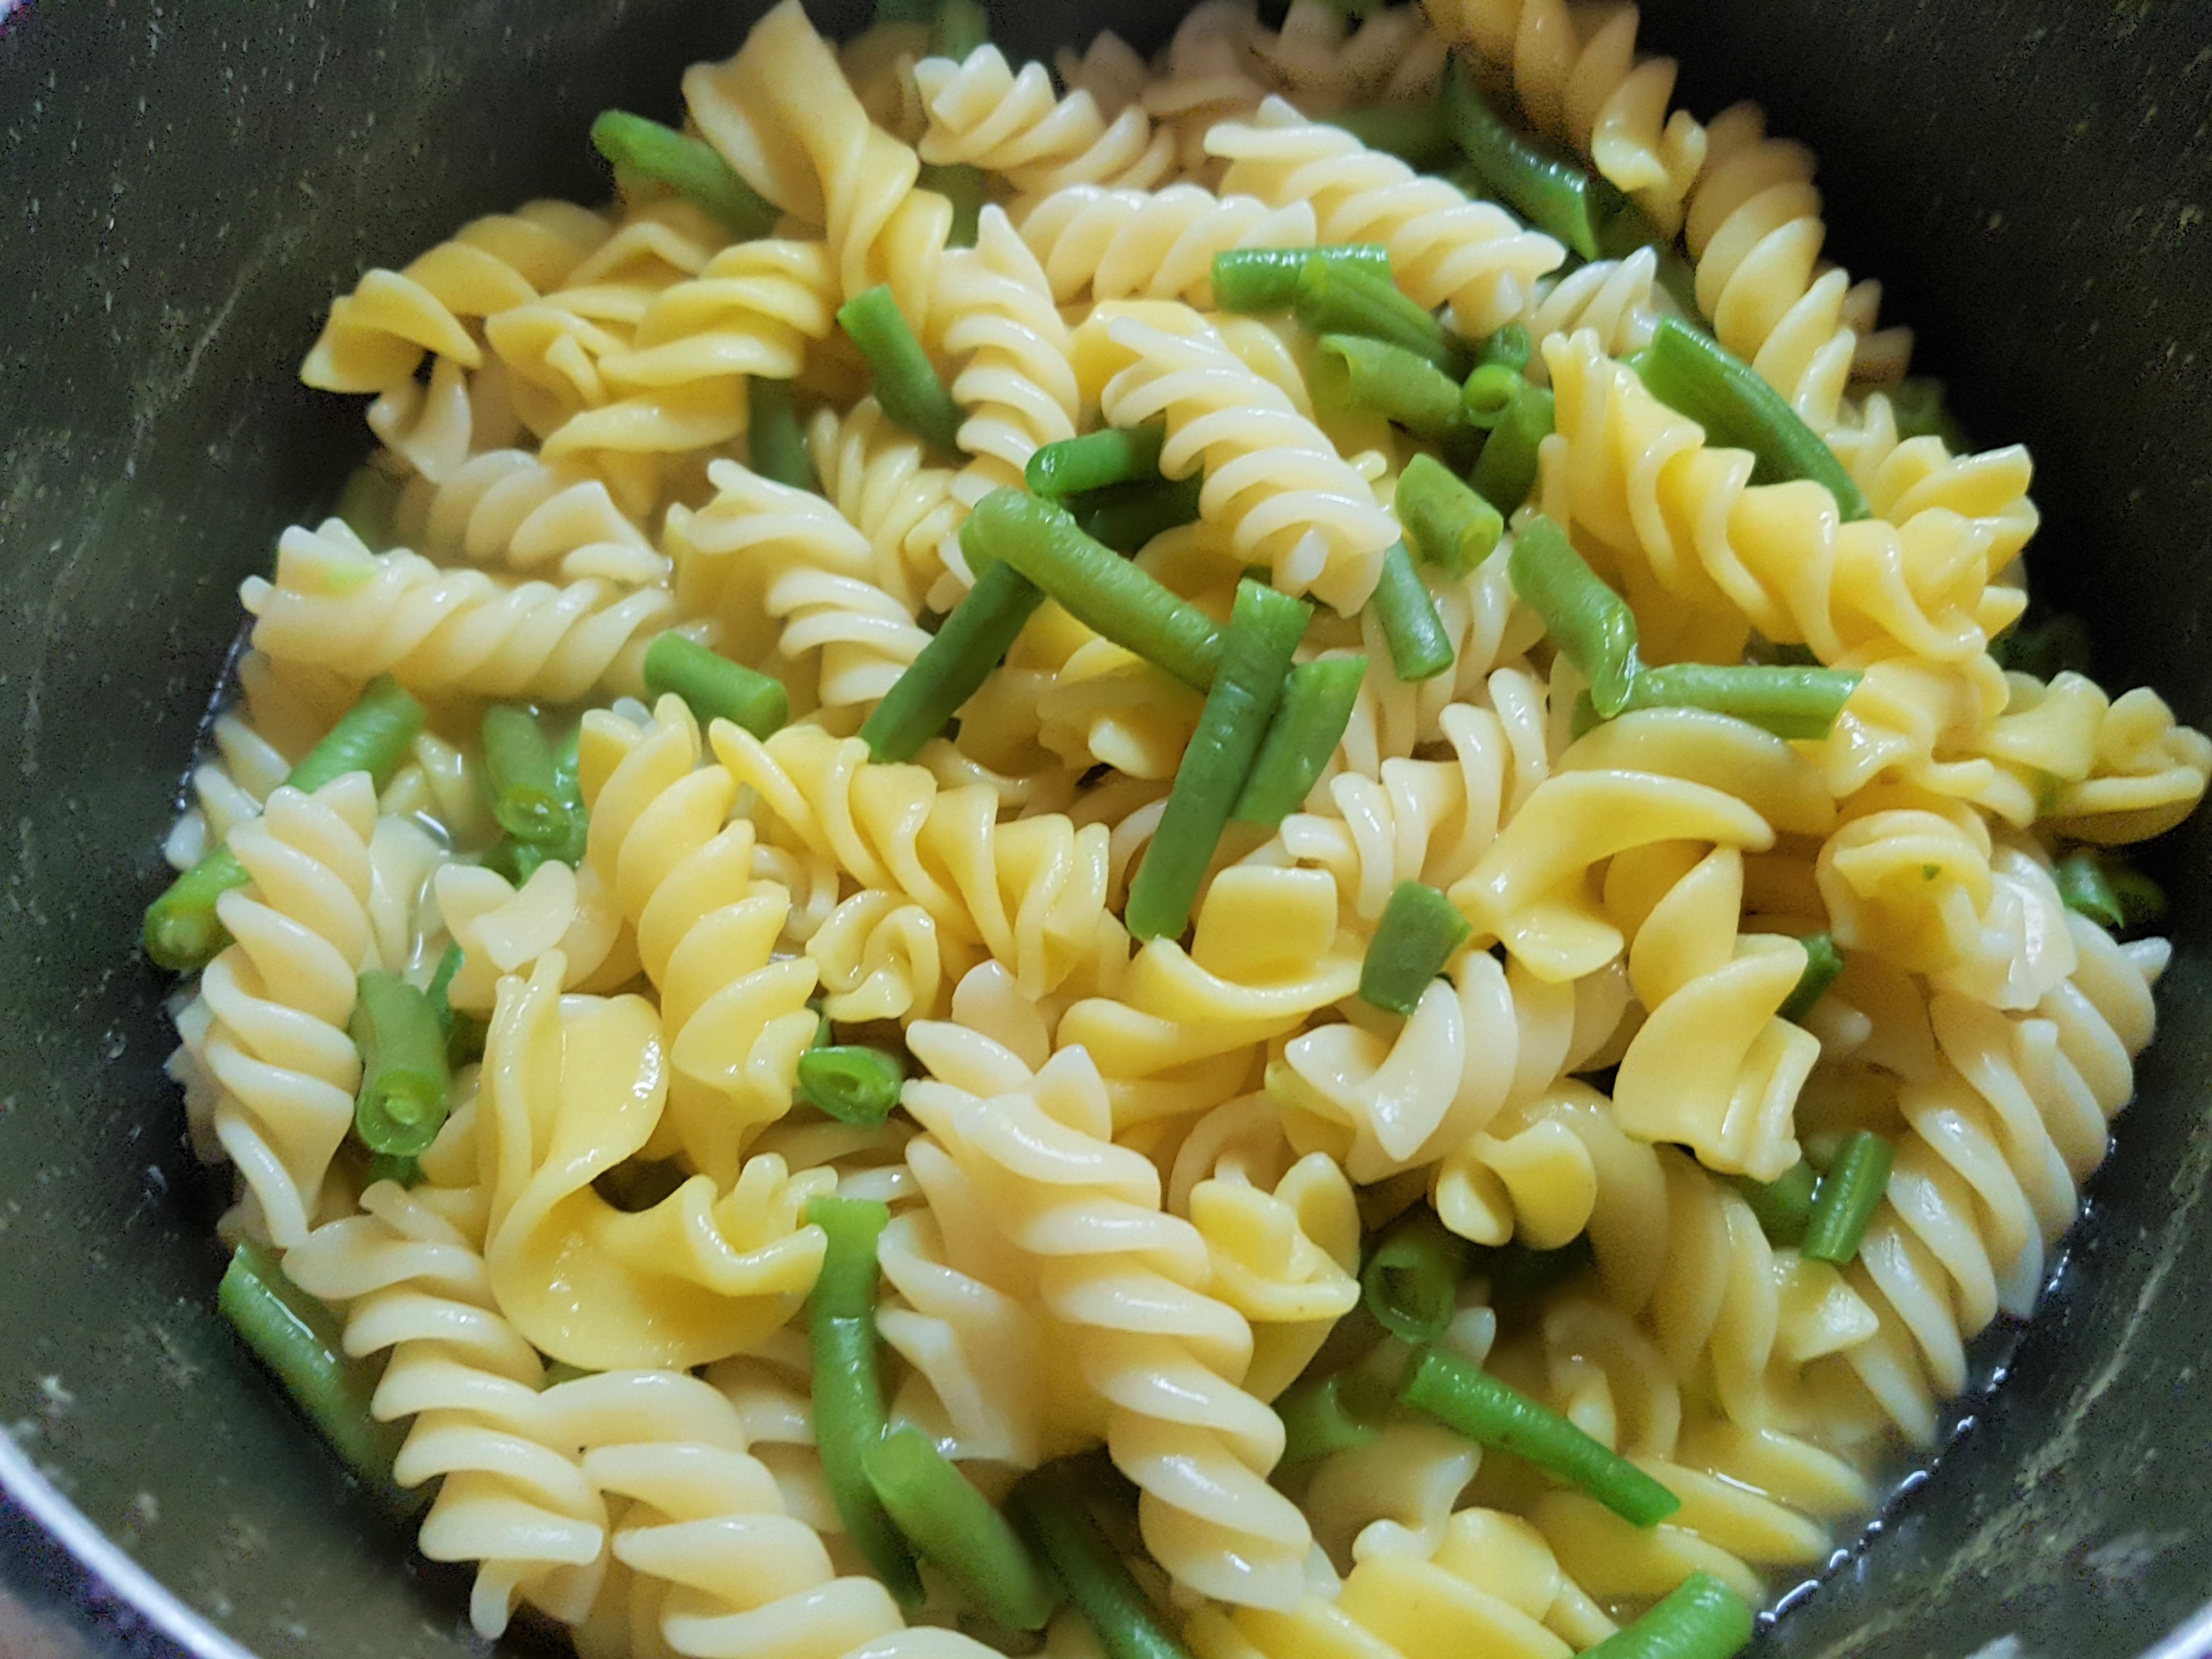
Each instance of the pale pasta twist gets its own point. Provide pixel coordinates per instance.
(984, 114)
(1018, 388)
(507, 507)
(1118, 244)
(880, 478)
(1322, 62)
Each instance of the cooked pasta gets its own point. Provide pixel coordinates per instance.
(730, 1032)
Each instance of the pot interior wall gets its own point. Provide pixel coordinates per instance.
(2030, 179)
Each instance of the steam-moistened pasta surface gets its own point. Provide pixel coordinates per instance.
(1249, 854)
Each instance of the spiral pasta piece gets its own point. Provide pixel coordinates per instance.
(336, 605)
(1119, 244)
(878, 476)
(1017, 386)
(1321, 62)
(984, 114)
(507, 507)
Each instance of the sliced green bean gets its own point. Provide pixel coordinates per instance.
(388, 1166)
(401, 1103)
(712, 687)
(1554, 195)
(848, 1395)
(1784, 1205)
(1488, 395)
(2141, 901)
(1318, 698)
(1053, 1505)
(961, 26)
(1419, 647)
(1352, 372)
(1325, 1414)
(182, 930)
(1824, 965)
(851, 1081)
(773, 438)
(1104, 592)
(1411, 1279)
(1924, 410)
(1261, 279)
(1700, 1618)
(1466, 1398)
(954, 664)
(2083, 889)
(1585, 619)
(1505, 471)
(1126, 516)
(1509, 348)
(967, 189)
(1264, 630)
(1414, 132)
(955, 1527)
(518, 776)
(1788, 701)
(1689, 371)
(1097, 459)
(1336, 297)
(1446, 523)
(1849, 1192)
(907, 382)
(690, 166)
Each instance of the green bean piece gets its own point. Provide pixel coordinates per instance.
(1488, 394)
(1351, 371)
(1053, 1506)
(956, 1528)
(1506, 470)
(2141, 901)
(1411, 1279)
(1414, 132)
(1626, 228)
(299, 1340)
(773, 438)
(518, 776)
(1788, 701)
(1332, 1414)
(712, 687)
(907, 383)
(1419, 933)
(961, 26)
(1783, 1204)
(1469, 1400)
(1689, 371)
(439, 988)
(967, 189)
(2083, 889)
(848, 1394)
(1126, 516)
(1104, 592)
(370, 503)
(515, 861)
(1585, 619)
(1509, 348)
(1419, 647)
(1922, 410)
(954, 664)
(1318, 698)
(923, 12)
(1447, 524)
(1700, 1618)
(183, 931)
(1335, 297)
(1097, 459)
(851, 1081)
(1522, 1276)
(1555, 196)
(1824, 963)
(1853, 1187)
(1261, 279)
(401, 1103)
(1264, 630)
(690, 166)
(390, 1166)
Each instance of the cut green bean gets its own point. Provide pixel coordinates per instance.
(1336, 297)
(520, 778)
(954, 1528)
(401, 1103)
(388, 1166)
(1554, 195)
(1509, 348)
(1104, 592)
(1783, 1204)
(1488, 395)
(773, 437)
(1585, 619)
(2141, 901)
(1447, 524)
(1264, 630)
(923, 12)
(1849, 1194)
(1411, 1279)
(960, 27)
(369, 504)
(182, 930)
(1352, 372)
(1788, 701)
(954, 664)
(1505, 471)
(1824, 965)
(2083, 889)
(1522, 1276)
(1318, 698)
(851, 1081)
(1924, 410)
(1700, 1618)
(690, 166)
(1096, 460)
(907, 383)
(1325, 1414)
(515, 861)
(1126, 516)
(1419, 647)
(1469, 1400)
(712, 687)
(848, 1394)
(440, 989)
(967, 189)
(299, 1340)
(1414, 132)
(1689, 371)
(1053, 1506)
(1261, 279)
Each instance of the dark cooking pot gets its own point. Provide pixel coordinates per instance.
(187, 188)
